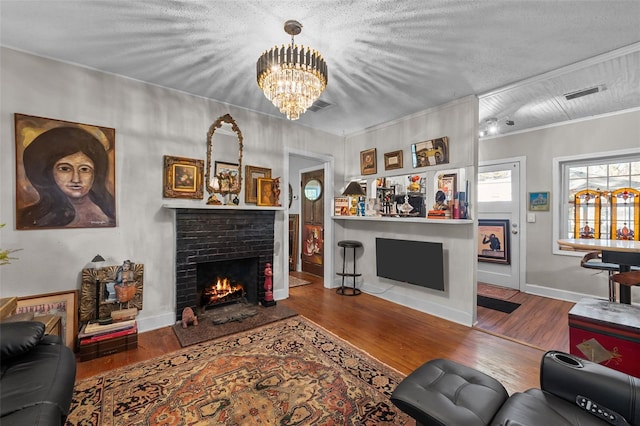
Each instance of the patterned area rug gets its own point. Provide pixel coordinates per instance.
(291, 372)
(297, 282)
(207, 328)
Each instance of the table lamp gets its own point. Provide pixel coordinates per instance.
(353, 190)
(97, 264)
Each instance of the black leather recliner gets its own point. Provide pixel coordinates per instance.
(573, 392)
(38, 375)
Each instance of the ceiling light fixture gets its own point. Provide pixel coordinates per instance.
(292, 77)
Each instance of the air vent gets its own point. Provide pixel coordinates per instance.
(583, 92)
(318, 105)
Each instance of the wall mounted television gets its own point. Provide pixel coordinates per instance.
(415, 262)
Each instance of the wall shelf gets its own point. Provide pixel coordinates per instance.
(406, 219)
(183, 205)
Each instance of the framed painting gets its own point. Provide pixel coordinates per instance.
(65, 174)
(430, 153)
(63, 304)
(538, 201)
(294, 236)
(313, 244)
(252, 173)
(266, 194)
(493, 241)
(183, 178)
(228, 177)
(393, 160)
(368, 165)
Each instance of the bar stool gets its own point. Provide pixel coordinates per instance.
(629, 279)
(593, 260)
(347, 291)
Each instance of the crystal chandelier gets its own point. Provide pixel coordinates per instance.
(292, 77)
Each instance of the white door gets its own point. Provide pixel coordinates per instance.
(499, 201)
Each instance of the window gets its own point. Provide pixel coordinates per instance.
(599, 197)
(494, 186)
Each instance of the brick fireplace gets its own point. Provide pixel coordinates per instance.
(206, 236)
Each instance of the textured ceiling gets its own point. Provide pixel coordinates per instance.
(386, 58)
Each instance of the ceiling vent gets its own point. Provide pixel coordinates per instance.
(584, 92)
(318, 105)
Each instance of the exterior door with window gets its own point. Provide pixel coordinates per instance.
(499, 200)
(312, 247)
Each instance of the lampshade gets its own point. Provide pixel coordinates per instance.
(97, 258)
(292, 77)
(354, 189)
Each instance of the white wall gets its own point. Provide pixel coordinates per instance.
(548, 274)
(150, 122)
(458, 121)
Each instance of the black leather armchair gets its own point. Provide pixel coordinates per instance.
(572, 392)
(38, 375)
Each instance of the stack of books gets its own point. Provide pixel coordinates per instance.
(91, 333)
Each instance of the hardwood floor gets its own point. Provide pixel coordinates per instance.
(400, 337)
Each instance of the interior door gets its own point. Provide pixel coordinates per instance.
(498, 200)
(312, 247)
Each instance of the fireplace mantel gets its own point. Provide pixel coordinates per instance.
(187, 205)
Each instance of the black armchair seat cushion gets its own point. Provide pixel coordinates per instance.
(536, 407)
(36, 386)
(443, 392)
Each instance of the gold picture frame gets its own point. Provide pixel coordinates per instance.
(368, 162)
(63, 304)
(266, 195)
(393, 160)
(252, 173)
(183, 178)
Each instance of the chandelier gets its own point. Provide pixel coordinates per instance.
(292, 77)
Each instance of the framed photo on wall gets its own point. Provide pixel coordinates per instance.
(49, 154)
(252, 173)
(393, 160)
(368, 164)
(538, 201)
(183, 178)
(493, 241)
(63, 304)
(430, 153)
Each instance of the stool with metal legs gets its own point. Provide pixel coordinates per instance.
(628, 279)
(348, 291)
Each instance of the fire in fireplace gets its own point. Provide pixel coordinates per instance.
(221, 292)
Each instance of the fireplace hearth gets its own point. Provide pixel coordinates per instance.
(209, 240)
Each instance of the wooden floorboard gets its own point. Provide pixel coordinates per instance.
(398, 336)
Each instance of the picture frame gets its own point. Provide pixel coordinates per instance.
(107, 275)
(393, 160)
(430, 153)
(227, 175)
(43, 201)
(368, 162)
(539, 201)
(63, 304)
(447, 182)
(266, 196)
(294, 236)
(493, 241)
(183, 178)
(252, 173)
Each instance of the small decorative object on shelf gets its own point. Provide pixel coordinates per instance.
(188, 317)
(405, 208)
(440, 208)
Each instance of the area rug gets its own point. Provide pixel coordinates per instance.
(297, 282)
(207, 329)
(497, 304)
(291, 372)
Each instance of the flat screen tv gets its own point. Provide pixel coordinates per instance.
(414, 262)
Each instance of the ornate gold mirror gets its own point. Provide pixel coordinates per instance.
(224, 176)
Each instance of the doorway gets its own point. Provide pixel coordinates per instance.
(500, 198)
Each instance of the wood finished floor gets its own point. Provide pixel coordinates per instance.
(400, 337)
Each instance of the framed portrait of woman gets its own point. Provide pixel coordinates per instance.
(65, 174)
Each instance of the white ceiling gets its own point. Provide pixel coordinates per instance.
(386, 58)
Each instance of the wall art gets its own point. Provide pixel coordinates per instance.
(183, 178)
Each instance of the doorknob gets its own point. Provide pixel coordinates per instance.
(514, 229)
